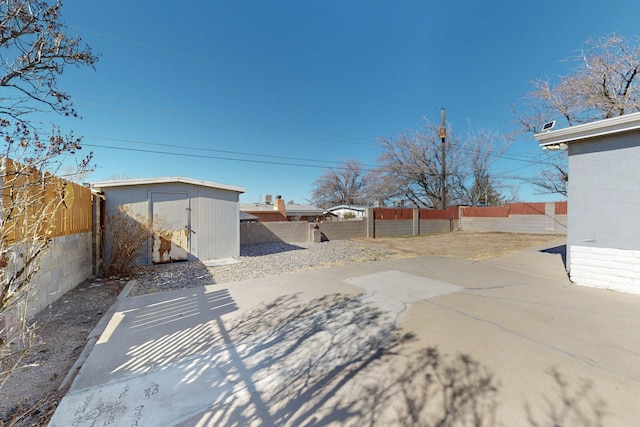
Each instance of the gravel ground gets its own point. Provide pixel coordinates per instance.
(255, 261)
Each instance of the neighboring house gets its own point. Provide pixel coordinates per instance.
(201, 218)
(278, 211)
(347, 212)
(307, 213)
(603, 236)
(247, 218)
(266, 211)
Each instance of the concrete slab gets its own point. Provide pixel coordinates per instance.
(220, 262)
(331, 347)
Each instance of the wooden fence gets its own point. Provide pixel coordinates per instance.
(41, 204)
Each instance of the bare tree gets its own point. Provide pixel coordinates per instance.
(604, 83)
(411, 167)
(343, 185)
(34, 50)
(483, 148)
(553, 179)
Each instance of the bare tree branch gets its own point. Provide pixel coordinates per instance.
(604, 83)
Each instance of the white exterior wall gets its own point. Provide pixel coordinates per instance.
(603, 237)
(215, 217)
(615, 269)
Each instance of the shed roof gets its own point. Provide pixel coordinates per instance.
(165, 180)
(625, 123)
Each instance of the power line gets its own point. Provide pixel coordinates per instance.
(169, 153)
(213, 150)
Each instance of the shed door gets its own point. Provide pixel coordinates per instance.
(170, 213)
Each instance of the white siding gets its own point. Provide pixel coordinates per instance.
(215, 217)
(615, 269)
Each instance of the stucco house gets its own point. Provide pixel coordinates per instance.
(271, 210)
(603, 236)
(201, 218)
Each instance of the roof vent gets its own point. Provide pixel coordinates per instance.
(267, 199)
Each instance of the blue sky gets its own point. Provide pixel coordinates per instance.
(266, 94)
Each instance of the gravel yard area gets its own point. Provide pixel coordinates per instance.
(272, 259)
(255, 261)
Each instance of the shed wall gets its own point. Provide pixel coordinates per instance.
(214, 216)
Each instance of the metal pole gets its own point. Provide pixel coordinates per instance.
(443, 177)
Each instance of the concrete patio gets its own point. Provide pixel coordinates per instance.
(370, 344)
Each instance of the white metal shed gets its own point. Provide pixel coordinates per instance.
(202, 217)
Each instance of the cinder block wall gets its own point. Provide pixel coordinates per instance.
(273, 232)
(67, 262)
(342, 230)
(393, 228)
(537, 224)
(437, 226)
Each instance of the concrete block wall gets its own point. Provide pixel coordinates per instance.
(67, 262)
(342, 230)
(393, 228)
(436, 226)
(274, 232)
(536, 224)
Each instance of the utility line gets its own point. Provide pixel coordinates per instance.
(213, 150)
(169, 153)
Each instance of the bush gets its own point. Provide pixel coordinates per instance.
(127, 234)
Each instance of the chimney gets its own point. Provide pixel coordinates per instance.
(279, 206)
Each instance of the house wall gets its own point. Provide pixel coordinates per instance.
(214, 216)
(603, 237)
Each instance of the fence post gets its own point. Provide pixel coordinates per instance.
(371, 227)
(416, 221)
(550, 217)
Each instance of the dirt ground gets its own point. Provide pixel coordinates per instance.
(31, 395)
(473, 246)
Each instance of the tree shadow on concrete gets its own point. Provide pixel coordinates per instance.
(339, 360)
(572, 403)
(267, 249)
(446, 391)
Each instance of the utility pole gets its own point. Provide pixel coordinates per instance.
(443, 150)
